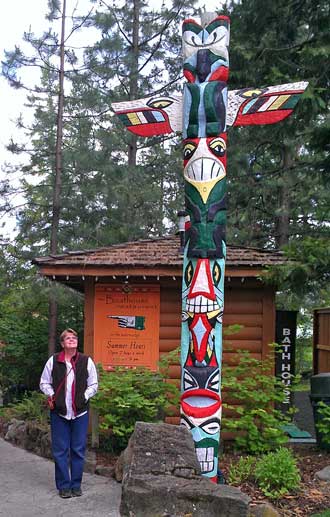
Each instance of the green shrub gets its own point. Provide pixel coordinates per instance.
(24, 328)
(128, 395)
(258, 428)
(31, 407)
(322, 423)
(241, 471)
(277, 473)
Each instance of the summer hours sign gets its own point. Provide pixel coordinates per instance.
(126, 325)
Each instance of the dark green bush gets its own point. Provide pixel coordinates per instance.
(31, 407)
(242, 470)
(277, 473)
(259, 425)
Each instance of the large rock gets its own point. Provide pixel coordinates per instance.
(323, 474)
(124, 459)
(161, 478)
(16, 432)
(263, 510)
(46, 445)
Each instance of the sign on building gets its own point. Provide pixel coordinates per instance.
(126, 325)
(286, 330)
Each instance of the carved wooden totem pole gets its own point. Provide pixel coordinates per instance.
(203, 114)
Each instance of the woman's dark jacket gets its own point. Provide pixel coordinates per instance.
(59, 375)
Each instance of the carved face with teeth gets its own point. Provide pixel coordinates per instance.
(205, 162)
(201, 414)
(202, 291)
(203, 307)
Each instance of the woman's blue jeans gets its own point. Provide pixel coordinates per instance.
(68, 447)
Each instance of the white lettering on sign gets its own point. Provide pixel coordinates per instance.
(285, 373)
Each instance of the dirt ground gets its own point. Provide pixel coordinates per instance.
(313, 497)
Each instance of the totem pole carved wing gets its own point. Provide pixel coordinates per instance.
(161, 115)
(259, 106)
(151, 116)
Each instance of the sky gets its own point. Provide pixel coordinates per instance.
(17, 17)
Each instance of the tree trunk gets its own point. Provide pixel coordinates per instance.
(283, 220)
(133, 81)
(57, 188)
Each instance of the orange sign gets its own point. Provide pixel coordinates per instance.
(126, 325)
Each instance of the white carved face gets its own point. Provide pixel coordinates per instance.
(205, 162)
(196, 38)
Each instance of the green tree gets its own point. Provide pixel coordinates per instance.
(284, 165)
(105, 196)
(279, 174)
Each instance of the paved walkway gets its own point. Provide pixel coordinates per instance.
(28, 490)
(304, 418)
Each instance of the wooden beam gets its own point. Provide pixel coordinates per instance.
(108, 271)
(268, 330)
(105, 271)
(89, 317)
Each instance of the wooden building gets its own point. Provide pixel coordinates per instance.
(321, 341)
(155, 266)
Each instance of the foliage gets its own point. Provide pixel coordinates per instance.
(128, 395)
(98, 204)
(242, 470)
(305, 273)
(322, 423)
(24, 325)
(32, 407)
(258, 426)
(325, 513)
(277, 473)
(278, 173)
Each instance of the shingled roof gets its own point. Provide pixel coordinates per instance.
(149, 253)
(148, 258)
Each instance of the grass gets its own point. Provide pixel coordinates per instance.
(303, 385)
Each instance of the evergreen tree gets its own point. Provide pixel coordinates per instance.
(285, 165)
(113, 189)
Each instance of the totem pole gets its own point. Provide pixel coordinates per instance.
(203, 114)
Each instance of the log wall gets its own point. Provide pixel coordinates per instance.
(321, 341)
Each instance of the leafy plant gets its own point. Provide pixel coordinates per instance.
(241, 471)
(31, 407)
(258, 426)
(24, 330)
(277, 473)
(128, 395)
(322, 423)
